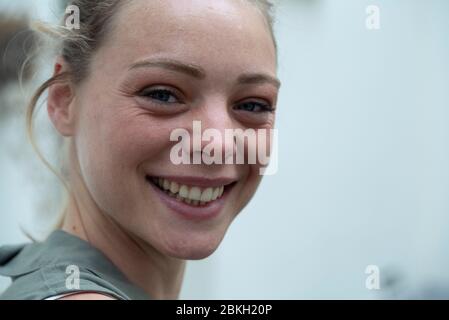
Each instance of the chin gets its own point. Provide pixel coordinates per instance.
(192, 249)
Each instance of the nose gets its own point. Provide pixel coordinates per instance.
(214, 123)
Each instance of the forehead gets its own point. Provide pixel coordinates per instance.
(231, 33)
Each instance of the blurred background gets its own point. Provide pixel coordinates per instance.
(363, 179)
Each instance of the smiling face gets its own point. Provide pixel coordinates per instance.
(167, 64)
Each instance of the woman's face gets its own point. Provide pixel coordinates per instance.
(164, 65)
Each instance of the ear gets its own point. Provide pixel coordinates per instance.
(60, 102)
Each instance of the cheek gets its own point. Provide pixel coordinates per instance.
(113, 149)
(261, 150)
(254, 179)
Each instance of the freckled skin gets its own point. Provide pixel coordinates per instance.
(120, 137)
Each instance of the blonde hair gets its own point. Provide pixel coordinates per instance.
(76, 47)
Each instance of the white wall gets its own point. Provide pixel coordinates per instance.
(43, 9)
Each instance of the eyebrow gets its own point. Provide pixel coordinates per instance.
(259, 78)
(174, 65)
(199, 73)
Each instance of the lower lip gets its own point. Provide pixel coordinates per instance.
(189, 212)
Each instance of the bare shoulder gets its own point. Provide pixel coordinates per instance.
(87, 296)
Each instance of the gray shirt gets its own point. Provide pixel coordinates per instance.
(59, 265)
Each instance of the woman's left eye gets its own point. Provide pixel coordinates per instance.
(160, 95)
(254, 106)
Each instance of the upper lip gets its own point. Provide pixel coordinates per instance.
(199, 181)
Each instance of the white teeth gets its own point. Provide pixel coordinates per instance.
(189, 194)
(184, 191)
(215, 194)
(174, 187)
(206, 195)
(195, 193)
(166, 185)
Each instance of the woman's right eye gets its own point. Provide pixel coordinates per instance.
(159, 95)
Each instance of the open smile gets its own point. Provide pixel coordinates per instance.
(192, 197)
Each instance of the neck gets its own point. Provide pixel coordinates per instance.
(157, 274)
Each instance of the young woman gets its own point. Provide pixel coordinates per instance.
(131, 74)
